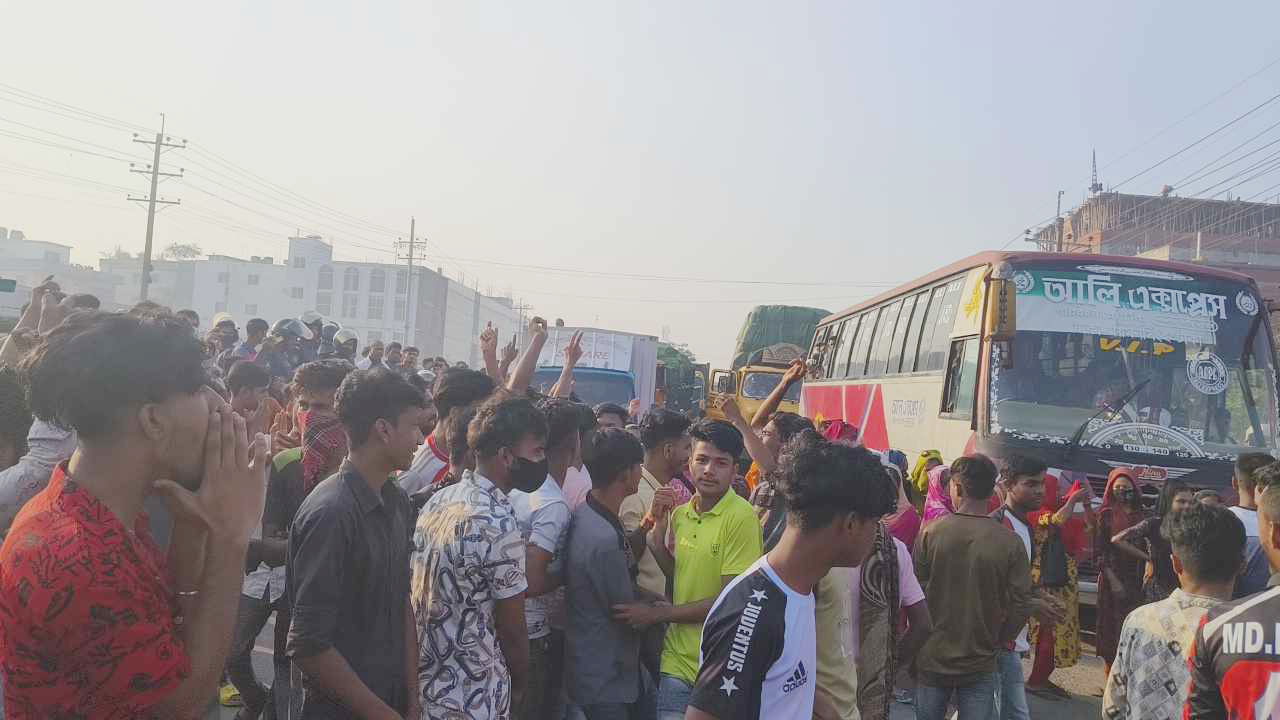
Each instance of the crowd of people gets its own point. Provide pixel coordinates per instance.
(436, 541)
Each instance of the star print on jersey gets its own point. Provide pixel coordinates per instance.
(759, 596)
(728, 686)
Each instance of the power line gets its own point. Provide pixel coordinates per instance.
(60, 146)
(67, 137)
(64, 108)
(1215, 131)
(662, 278)
(1191, 114)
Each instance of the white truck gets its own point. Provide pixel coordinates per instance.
(615, 367)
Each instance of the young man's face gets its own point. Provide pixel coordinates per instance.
(632, 478)
(393, 357)
(179, 426)
(375, 353)
(1026, 492)
(712, 469)
(677, 452)
(410, 358)
(1267, 536)
(247, 399)
(856, 537)
(1183, 500)
(611, 420)
(404, 436)
(771, 438)
(316, 400)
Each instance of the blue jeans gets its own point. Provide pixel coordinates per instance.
(976, 701)
(1013, 688)
(673, 697)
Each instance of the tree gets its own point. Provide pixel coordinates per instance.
(117, 253)
(182, 251)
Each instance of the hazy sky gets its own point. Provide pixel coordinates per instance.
(845, 143)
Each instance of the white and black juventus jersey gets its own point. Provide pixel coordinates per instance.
(759, 651)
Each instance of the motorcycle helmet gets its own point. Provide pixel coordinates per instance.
(311, 317)
(328, 331)
(291, 327)
(344, 336)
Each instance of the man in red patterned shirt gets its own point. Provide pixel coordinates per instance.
(94, 623)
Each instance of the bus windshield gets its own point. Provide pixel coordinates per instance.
(1136, 360)
(758, 385)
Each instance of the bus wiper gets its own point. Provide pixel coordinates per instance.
(1070, 450)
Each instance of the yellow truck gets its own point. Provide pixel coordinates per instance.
(749, 386)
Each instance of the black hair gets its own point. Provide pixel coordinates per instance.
(719, 433)
(562, 421)
(456, 388)
(1208, 540)
(608, 453)
(503, 422)
(1018, 465)
(95, 366)
(257, 325)
(395, 345)
(821, 481)
(190, 315)
(976, 475)
(85, 301)
(247, 374)
(411, 348)
(608, 408)
(148, 308)
(587, 422)
(15, 417)
(1266, 476)
(1247, 464)
(423, 386)
(1171, 489)
(790, 424)
(1207, 493)
(1269, 505)
(455, 432)
(321, 374)
(366, 396)
(662, 425)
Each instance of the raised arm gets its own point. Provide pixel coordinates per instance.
(793, 375)
(572, 354)
(489, 351)
(755, 446)
(519, 380)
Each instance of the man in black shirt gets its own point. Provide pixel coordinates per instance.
(352, 632)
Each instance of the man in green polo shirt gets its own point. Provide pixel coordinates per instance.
(717, 537)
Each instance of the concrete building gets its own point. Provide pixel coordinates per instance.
(1230, 234)
(379, 301)
(31, 261)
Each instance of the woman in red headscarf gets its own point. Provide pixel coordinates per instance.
(1119, 573)
(1060, 537)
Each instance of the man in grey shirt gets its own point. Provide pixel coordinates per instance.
(602, 657)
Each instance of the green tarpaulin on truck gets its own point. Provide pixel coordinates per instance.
(768, 325)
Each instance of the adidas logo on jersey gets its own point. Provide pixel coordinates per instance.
(797, 680)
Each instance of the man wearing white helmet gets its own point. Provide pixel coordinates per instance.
(344, 345)
(315, 323)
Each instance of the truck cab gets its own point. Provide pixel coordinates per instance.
(749, 386)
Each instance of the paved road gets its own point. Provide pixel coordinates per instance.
(1084, 681)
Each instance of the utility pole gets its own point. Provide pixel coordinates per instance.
(1059, 216)
(161, 142)
(408, 303)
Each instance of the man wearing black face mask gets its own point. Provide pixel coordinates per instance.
(544, 522)
(468, 568)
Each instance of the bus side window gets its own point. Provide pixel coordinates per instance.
(962, 380)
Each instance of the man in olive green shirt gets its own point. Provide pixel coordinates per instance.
(717, 537)
(977, 581)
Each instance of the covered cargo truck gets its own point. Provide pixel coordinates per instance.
(615, 367)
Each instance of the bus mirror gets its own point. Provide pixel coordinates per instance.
(1001, 310)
